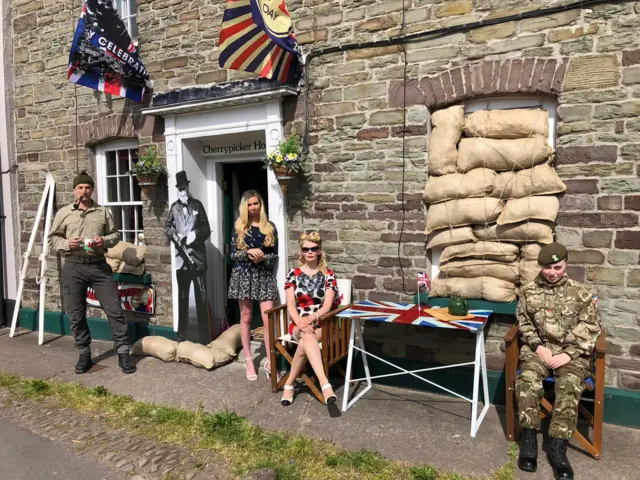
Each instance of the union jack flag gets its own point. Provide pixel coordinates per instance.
(424, 282)
(410, 314)
(257, 36)
(103, 57)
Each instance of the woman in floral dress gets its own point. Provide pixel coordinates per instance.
(254, 252)
(312, 291)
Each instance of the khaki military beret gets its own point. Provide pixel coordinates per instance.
(552, 253)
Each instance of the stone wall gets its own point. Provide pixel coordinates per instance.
(587, 59)
(354, 190)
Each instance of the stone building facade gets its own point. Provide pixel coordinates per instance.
(369, 111)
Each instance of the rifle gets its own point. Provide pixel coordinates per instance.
(180, 247)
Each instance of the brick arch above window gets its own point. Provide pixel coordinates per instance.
(107, 128)
(482, 79)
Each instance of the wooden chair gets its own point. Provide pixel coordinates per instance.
(594, 383)
(334, 343)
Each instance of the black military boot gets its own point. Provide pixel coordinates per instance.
(84, 363)
(558, 459)
(124, 360)
(528, 458)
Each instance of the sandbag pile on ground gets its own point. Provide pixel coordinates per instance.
(125, 257)
(492, 209)
(219, 352)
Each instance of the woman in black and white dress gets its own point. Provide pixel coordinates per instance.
(254, 252)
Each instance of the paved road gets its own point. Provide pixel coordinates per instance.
(25, 456)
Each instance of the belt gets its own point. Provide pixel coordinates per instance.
(84, 259)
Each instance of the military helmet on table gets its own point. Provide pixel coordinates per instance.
(552, 253)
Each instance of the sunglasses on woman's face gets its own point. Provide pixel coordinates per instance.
(310, 249)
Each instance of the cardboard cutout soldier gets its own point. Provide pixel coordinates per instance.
(188, 228)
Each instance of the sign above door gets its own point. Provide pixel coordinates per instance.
(235, 144)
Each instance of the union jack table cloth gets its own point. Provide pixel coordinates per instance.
(411, 314)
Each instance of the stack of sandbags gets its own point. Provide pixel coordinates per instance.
(219, 352)
(125, 257)
(499, 203)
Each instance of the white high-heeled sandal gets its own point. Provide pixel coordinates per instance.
(251, 377)
(285, 402)
(332, 399)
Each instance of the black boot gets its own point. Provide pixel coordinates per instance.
(124, 360)
(528, 458)
(84, 363)
(558, 459)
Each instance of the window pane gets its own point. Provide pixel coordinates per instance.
(117, 217)
(133, 8)
(118, 6)
(111, 163)
(125, 188)
(137, 196)
(112, 189)
(123, 162)
(133, 27)
(128, 217)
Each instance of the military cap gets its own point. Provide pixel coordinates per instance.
(83, 179)
(552, 253)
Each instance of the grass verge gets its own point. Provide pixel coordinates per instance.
(243, 446)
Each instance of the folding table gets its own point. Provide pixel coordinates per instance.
(411, 314)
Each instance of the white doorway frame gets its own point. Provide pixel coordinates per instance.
(265, 117)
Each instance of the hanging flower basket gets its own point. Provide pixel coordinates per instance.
(286, 161)
(147, 171)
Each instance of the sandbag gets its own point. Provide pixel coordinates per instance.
(130, 269)
(479, 182)
(114, 263)
(539, 208)
(450, 236)
(503, 252)
(539, 180)
(156, 346)
(201, 356)
(529, 270)
(468, 211)
(446, 132)
(517, 123)
(530, 252)
(502, 155)
(127, 252)
(487, 288)
(525, 232)
(228, 342)
(476, 267)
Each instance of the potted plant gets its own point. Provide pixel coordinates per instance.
(147, 169)
(285, 161)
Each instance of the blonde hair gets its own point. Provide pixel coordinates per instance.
(243, 224)
(313, 237)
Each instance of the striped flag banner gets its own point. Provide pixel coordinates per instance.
(103, 57)
(257, 36)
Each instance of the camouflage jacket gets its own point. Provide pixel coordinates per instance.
(562, 317)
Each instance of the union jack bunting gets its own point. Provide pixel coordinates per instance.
(257, 36)
(103, 57)
(408, 313)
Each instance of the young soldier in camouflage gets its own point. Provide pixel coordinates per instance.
(72, 226)
(559, 323)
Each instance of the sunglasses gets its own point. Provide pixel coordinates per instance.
(310, 249)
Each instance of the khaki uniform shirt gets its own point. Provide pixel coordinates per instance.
(561, 316)
(93, 222)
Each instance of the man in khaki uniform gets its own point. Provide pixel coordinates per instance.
(82, 232)
(559, 322)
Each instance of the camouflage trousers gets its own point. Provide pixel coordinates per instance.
(569, 385)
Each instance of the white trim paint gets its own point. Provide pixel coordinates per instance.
(183, 136)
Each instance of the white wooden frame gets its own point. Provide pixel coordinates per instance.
(506, 103)
(265, 116)
(102, 184)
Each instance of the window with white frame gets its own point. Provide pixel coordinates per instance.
(119, 191)
(506, 103)
(128, 11)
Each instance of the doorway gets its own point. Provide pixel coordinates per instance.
(238, 177)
